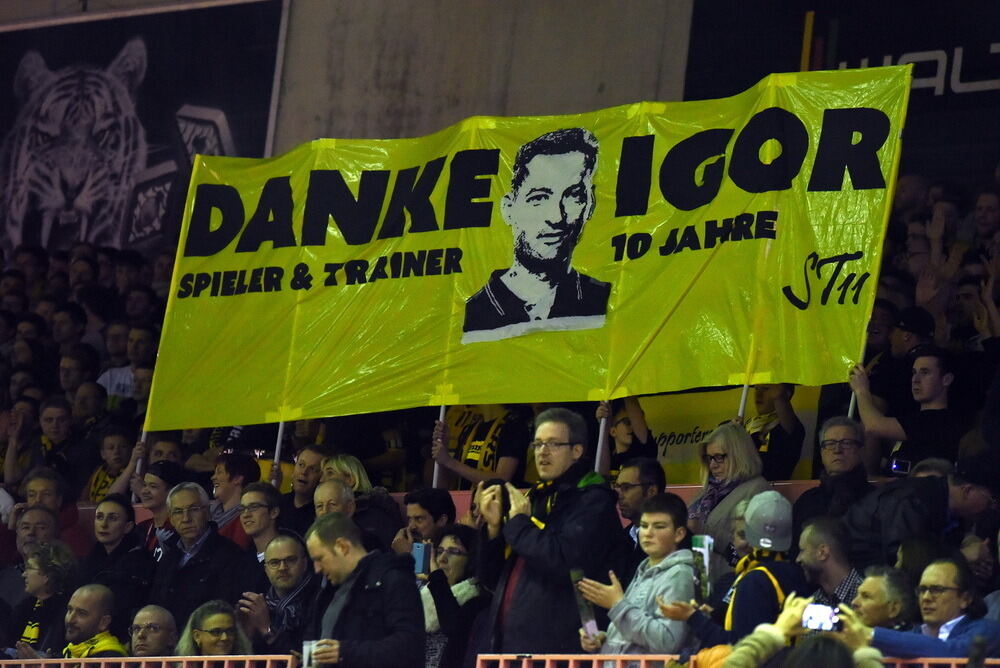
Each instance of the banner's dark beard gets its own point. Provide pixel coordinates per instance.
(551, 269)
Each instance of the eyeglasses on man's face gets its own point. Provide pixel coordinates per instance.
(933, 590)
(839, 444)
(275, 564)
(185, 512)
(252, 507)
(136, 629)
(549, 445)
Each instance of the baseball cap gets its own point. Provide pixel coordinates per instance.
(916, 320)
(981, 469)
(769, 521)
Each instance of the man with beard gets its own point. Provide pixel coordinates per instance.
(823, 549)
(88, 617)
(551, 198)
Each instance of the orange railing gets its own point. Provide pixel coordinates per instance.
(242, 661)
(572, 660)
(655, 660)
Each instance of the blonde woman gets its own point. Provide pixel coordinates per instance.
(732, 473)
(211, 630)
(349, 469)
(375, 511)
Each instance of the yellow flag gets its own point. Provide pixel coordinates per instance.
(638, 249)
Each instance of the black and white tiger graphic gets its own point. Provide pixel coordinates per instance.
(68, 163)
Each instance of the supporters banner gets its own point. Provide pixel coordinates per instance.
(637, 249)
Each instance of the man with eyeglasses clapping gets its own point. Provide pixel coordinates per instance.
(277, 619)
(567, 521)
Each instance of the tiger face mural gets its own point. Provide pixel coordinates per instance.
(67, 164)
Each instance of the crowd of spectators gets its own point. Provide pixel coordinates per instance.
(223, 562)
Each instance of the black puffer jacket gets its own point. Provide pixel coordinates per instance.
(901, 509)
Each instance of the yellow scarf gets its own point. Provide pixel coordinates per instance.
(102, 642)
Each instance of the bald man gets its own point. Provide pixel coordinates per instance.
(153, 632)
(88, 617)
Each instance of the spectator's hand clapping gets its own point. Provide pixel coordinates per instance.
(519, 503)
(252, 608)
(678, 611)
(490, 504)
(935, 226)
(603, 595)
(26, 651)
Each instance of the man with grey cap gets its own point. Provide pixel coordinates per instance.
(764, 579)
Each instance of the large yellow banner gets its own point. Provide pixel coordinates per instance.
(638, 249)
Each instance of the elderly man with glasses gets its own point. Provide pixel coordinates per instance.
(198, 564)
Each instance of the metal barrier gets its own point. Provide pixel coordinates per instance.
(572, 660)
(240, 661)
(655, 660)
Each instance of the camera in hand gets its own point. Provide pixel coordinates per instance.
(818, 617)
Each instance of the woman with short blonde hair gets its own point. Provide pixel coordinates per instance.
(349, 469)
(731, 468)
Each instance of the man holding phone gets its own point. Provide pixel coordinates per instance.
(427, 510)
(373, 618)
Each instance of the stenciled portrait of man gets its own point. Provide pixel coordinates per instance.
(551, 198)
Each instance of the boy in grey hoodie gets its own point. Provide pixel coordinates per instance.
(637, 627)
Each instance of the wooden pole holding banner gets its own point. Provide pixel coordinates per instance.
(602, 444)
(437, 467)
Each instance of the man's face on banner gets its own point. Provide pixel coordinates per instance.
(548, 210)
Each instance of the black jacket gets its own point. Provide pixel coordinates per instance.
(582, 531)
(901, 509)
(218, 570)
(127, 571)
(50, 619)
(832, 497)
(382, 622)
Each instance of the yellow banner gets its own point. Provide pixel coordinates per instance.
(680, 422)
(638, 249)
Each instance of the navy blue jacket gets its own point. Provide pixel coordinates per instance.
(911, 644)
